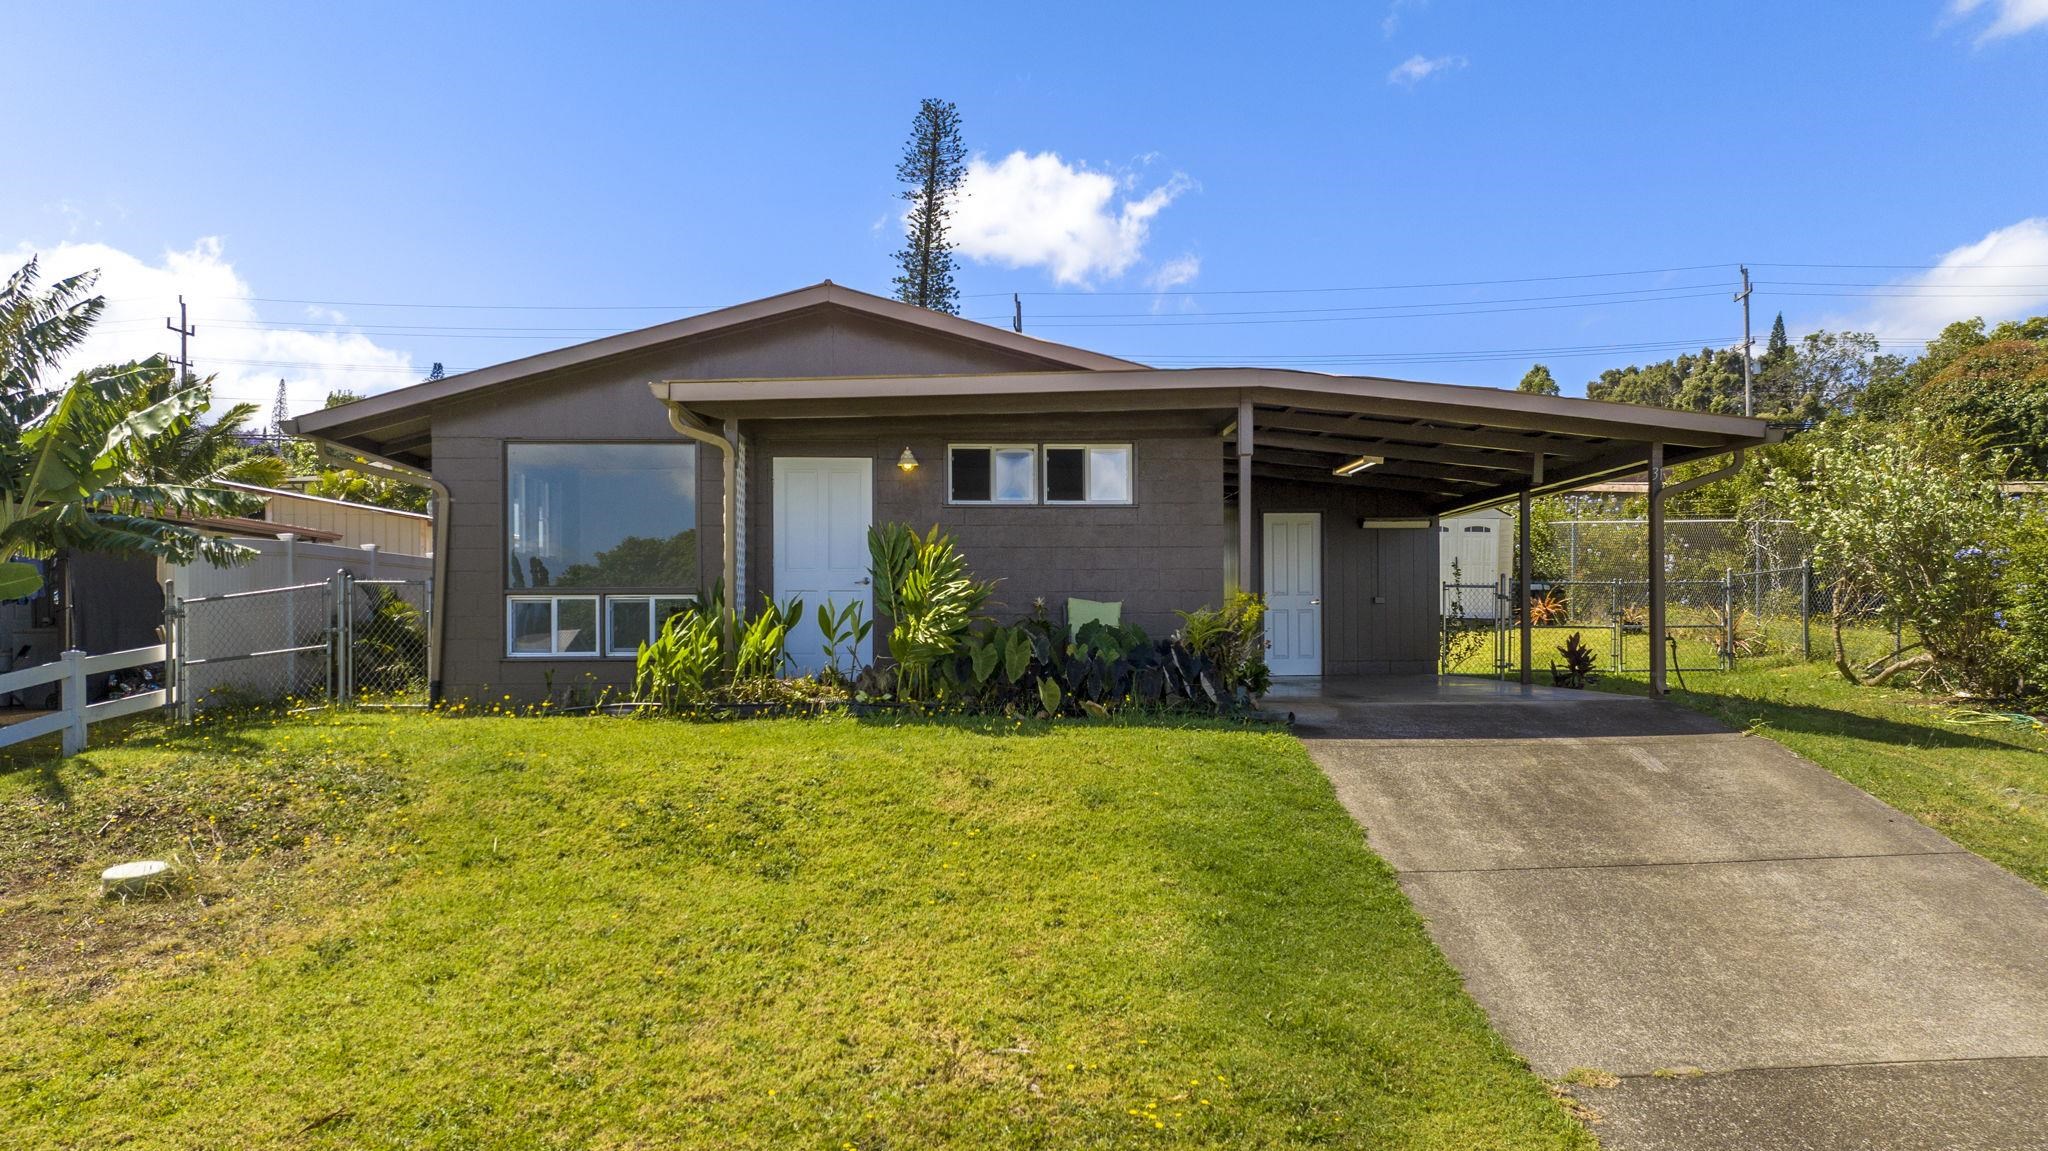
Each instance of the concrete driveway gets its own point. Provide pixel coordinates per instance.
(1767, 957)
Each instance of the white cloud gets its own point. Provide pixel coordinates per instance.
(1175, 273)
(1391, 22)
(1415, 69)
(1991, 278)
(232, 343)
(2009, 17)
(1037, 210)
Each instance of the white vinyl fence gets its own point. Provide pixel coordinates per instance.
(75, 715)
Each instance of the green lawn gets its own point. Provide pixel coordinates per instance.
(1983, 785)
(423, 932)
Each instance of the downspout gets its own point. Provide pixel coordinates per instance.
(335, 455)
(687, 423)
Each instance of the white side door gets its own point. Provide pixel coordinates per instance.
(1294, 593)
(823, 507)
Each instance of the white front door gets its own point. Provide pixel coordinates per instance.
(822, 510)
(1294, 593)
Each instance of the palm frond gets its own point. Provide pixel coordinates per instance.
(37, 329)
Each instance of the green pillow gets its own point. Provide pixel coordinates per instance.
(1081, 611)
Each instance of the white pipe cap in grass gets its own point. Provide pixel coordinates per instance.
(123, 878)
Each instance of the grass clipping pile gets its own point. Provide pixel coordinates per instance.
(242, 852)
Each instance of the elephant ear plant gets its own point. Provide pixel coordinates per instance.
(922, 584)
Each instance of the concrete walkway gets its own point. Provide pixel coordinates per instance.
(1628, 887)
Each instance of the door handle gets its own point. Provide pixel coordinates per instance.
(1316, 602)
(862, 582)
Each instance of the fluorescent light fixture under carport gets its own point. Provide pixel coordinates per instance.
(1395, 525)
(1358, 465)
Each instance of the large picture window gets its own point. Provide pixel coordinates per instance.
(601, 516)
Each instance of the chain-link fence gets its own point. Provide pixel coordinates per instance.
(341, 641)
(1482, 625)
(1694, 549)
(1717, 614)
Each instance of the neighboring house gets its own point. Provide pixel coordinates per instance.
(299, 538)
(100, 602)
(1473, 551)
(583, 491)
(350, 524)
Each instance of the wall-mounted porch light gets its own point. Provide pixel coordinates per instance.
(1358, 465)
(907, 461)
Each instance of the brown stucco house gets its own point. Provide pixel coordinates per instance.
(581, 493)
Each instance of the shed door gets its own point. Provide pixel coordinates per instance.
(822, 510)
(1294, 593)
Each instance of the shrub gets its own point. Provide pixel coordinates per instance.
(1906, 511)
(2023, 617)
(1232, 640)
(922, 584)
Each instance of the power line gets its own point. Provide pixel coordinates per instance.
(1355, 287)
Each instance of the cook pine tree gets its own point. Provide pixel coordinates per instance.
(933, 168)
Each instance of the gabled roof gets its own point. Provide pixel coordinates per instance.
(825, 294)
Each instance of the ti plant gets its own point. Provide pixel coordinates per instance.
(1579, 662)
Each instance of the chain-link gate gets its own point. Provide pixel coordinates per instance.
(384, 641)
(343, 641)
(1709, 625)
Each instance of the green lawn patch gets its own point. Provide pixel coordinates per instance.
(1983, 785)
(422, 932)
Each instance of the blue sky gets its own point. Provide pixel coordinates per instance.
(1176, 183)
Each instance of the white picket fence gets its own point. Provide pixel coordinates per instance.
(74, 715)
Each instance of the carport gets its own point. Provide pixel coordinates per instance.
(1446, 449)
(1389, 455)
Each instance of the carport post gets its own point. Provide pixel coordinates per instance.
(1527, 568)
(1247, 580)
(1656, 569)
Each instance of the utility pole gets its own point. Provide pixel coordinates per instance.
(1017, 313)
(1748, 404)
(185, 332)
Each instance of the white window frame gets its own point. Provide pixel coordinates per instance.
(554, 603)
(1088, 475)
(648, 599)
(1037, 470)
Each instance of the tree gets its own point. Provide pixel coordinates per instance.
(193, 451)
(1538, 382)
(1772, 379)
(68, 471)
(280, 411)
(1996, 395)
(1708, 382)
(1905, 511)
(1830, 373)
(934, 167)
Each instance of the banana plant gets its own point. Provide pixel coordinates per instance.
(68, 474)
(65, 480)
